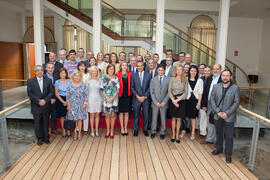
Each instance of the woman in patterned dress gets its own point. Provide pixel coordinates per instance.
(77, 99)
(110, 89)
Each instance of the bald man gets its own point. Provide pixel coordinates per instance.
(57, 65)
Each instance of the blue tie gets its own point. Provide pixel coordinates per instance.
(160, 81)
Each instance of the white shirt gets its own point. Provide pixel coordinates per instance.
(214, 81)
(40, 83)
(168, 68)
(153, 72)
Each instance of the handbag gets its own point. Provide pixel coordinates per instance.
(70, 124)
(212, 114)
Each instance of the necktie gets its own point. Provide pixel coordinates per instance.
(160, 81)
(40, 85)
(151, 73)
(141, 78)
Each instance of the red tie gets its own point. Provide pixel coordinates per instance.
(151, 73)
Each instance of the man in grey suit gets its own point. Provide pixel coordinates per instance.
(169, 66)
(159, 94)
(224, 101)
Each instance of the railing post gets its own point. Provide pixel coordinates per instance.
(268, 106)
(234, 73)
(254, 143)
(4, 135)
(122, 26)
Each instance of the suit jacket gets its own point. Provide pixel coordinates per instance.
(55, 78)
(159, 94)
(57, 66)
(138, 89)
(170, 71)
(163, 62)
(34, 93)
(129, 68)
(228, 105)
(155, 72)
(206, 89)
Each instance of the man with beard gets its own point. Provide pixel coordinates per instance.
(224, 101)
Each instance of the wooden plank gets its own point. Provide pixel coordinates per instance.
(106, 161)
(82, 160)
(150, 171)
(74, 160)
(65, 162)
(132, 169)
(194, 159)
(202, 159)
(15, 168)
(184, 162)
(88, 167)
(32, 161)
(98, 161)
(222, 163)
(156, 161)
(162, 158)
(114, 174)
(141, 171)
(31, 173)
(58, 159)
(175, 168)
(210, 159)
(232, 167)
(245, 170)
(123, 166)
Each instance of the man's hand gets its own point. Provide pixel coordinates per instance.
(52, 101)
(42, 102)
(162, 104)
(224, 116)
(220, 114)
(140, 98)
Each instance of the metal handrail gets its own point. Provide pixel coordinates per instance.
(264, 119)
(255, 87)
(14, 106)
(4, 132)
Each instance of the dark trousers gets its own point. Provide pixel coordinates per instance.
(41, 125)
(137, 109)
(226, 129)
(53, 116)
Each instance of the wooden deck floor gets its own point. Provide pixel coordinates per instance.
(124, 158)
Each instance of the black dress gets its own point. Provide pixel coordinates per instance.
(191, 110)
(124, 100)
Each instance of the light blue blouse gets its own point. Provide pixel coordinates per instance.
(62, 88)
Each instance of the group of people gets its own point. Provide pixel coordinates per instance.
(73, 87)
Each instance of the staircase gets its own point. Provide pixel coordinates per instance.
(138, 29)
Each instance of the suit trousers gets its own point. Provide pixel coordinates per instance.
(53, 116)
(41, 125)
(226, 129)
(211, 131)
(85, 123)
(155, 118)
(203, 122)
(137, 109)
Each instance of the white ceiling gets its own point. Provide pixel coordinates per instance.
(239, 8)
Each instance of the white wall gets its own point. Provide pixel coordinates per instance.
(11, 26)
(264, 64)
(244, 35)
(58, 30)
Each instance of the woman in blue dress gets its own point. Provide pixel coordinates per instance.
(60, 87)
(110, 89)
(77, 99)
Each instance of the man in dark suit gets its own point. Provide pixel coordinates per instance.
(210, 82)
(57, 65)
(168, 54)
(133, 65)
(49, 74)
(140, 87)
(224, 102)
(40, 92)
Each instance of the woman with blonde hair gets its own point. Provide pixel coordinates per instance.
(94, 98)
(177, 92)
(124, 95)
(77, 101)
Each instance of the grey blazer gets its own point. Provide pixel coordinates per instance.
(159, 94)
(228, 105)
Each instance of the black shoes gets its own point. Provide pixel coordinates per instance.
(216, 152)
(162, 136)
(228, 159)
(153, 136)
(146, 133)
(47, 142)
(172, 140)
(123, 134)
(39, 142)
(135, 133)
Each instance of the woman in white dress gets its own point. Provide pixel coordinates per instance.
(95, 98)
(83, 69)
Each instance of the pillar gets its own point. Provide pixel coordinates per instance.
(160, 27)
(96, 26)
